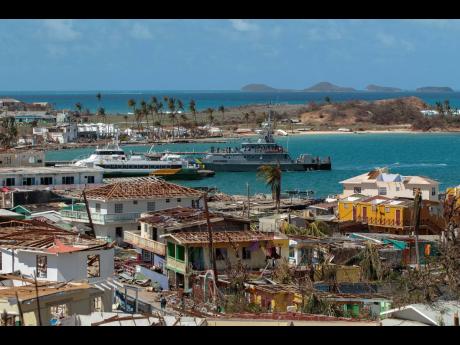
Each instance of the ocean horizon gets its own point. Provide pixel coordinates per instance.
(116, 101)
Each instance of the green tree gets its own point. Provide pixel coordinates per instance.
(132, 105)
(327, 99)
(192, 108)
(271, 174)
(102, 114)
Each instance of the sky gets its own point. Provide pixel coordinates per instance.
(226, 54)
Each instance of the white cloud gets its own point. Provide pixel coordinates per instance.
(243, 25)
(141, 32)
(323, 34)
(386, 40)
(391, 41)
(61, 30)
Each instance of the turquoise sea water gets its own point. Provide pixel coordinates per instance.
(117, 101)
(433, 155)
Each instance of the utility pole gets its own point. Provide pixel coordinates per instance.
(38, 301)
(21, 315)
(417, 205)
(249, 201)
(93, 233)
(212, 255)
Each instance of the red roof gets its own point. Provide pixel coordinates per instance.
(60, 247)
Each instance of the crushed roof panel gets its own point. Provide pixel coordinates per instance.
(140, 188)
(222, 237)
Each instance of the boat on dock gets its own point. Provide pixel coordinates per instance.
(251, 155)
(116, 163)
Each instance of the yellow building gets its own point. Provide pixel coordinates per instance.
(451, 194)
(383, 214)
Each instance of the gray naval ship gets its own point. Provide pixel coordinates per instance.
(265, 151)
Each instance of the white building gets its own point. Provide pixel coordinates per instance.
(53, 254)
(62, 134)
(99, 129)
(50, 177)
(116, 207)
(381, 182)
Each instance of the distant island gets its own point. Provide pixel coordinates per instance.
(325, 86)
(378, 88)
(434, 89)
(262, 88)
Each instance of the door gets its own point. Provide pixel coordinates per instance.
(364, 214)
(354, 212)
(398, 217)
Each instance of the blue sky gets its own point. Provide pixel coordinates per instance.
(226, 54)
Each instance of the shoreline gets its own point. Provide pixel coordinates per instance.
(223, 139)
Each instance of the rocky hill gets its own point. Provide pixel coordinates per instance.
(377, 88)
(434, 89)
(261, 88)
(382, 112)
(325, 86)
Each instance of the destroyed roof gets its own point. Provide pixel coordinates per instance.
(36, 235)
(380, 175)
(223, 237)
(28, 291)
(183, 217)
(140, 188)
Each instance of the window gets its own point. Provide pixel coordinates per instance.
(346, 206)
(28, 181)
(119, 231)
(382, 190)
(46, 180)
(398, 189)
(414, 190)
(98, 208)
(167, 200)
(93, 266)
(387, 210)
(67, 180)
(357, 190)
(179, 199)
(221, 253)
(97, 304)
(180, 253)
(90, 179)
(42, 266)
(151, 206)
(194, 204)
(59, 311)
(10, 181)
(171, 249)
(246, 253)
(134, 202)
(433, 191)
(118, 208)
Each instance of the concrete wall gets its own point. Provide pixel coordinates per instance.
(62, 267)
(405, 190)
(154, 276)
(130, 207)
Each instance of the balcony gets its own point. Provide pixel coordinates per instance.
(99, 218)
(175, 265)
(134, 238)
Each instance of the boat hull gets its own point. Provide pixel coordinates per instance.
(235, 167)
(182, 174)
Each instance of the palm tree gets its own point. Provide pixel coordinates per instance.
(132, 104)
(222, 110)
(144, 112)
(126, 120)
(192, 107)
(101, 113)
(272, 176)
(173, 111)
(246, 117)
(210, 117)
(99, 97)
(79, 107)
